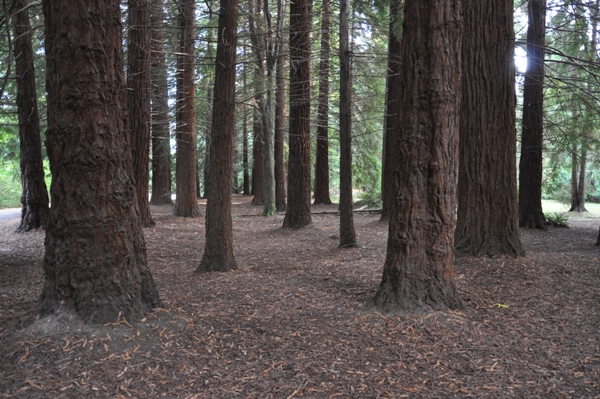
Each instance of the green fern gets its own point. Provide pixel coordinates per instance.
(557, 219)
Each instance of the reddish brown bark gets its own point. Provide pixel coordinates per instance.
(530, 165)
(161, 146)
(95, 260)
(34, 197)
(418, 272)
(322, 144)
(186, 204)
(487, 221)
(298, 207)
(138, 100)
(280, 119)
(218, 251)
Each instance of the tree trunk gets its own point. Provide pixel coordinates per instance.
(298, 207)
(347, 232)
(34, 197)
(392, 115)
(322, 156)
(161, 146)
(280, 188)
(581, 185)
(418, 272)
(530, 166)
(258, 158)
(268, 114)
(245, 152)
(95, 259)
(138, 99)
(218, 252)
(186, 204)
(487, 221)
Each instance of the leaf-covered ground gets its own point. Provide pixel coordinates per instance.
(296, 321)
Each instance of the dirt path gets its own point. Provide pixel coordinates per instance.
(296, 321)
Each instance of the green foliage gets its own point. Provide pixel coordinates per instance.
(369, 199)
(557, 219)
(10, 185)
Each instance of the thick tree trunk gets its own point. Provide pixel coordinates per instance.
(218, 252)
(347, 232)
(280, 119)
(298, 207)
(487, 221)
(418, 272)
(34, 197)
(138, 99)
(322, 156)
(161, 146)
(95, 260)
(186, 204)
(392, 115)
(530, 166)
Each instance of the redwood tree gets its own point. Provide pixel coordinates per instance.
(418, 272)
(297, 213)
(34, 197)
(347, 232)
(530, 165)
(95, 259)
(161, 147)
(392, 114)
(138, 99)
(487, 221)
(280, 107)
(322, 156)
(218, 252)
(186, 204)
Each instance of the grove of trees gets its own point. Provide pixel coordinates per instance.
(420, 109)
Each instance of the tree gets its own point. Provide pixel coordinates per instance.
(218, 252)
(280, 104)
(418, 272)
(487, 220)
(322, 156)
(393, 107)
(138, 99)
(186, 204)
(95, 258)
(297, 213)
(34, 197)
(161, 148)
(347, 232)
(530, 166)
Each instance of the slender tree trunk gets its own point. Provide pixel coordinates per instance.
(487, 221)
(530, 166)
(574, 177)
(138, 99)
(298, 207)
(218, 252)
(580, 197)
(161, 146)
(34, 197)
(245, 152)
(347, 232)
(268, 114)
(322, 156)
(393, 107)
(280, 188)
(186, 204)
(418, 272)
(95, 260)
(258, 158)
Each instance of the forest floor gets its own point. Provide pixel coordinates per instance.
(297, 320)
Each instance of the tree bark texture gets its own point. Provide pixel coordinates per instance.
(298, 207)
(322, 156)
(487, 221)
(138, 100)
(418, 272)
(246, 171)
(578, 171)
(530, 165)
(268, 114)
(186, 204)
(258, 157)
(95, 259)
(34, 197)
(392, 115)
(347, 231)
(218, 251)
(161, 146)
(280, 118)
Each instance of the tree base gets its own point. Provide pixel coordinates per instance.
(533, 221)
(392, 298)
(269, 210)
(216, 264)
